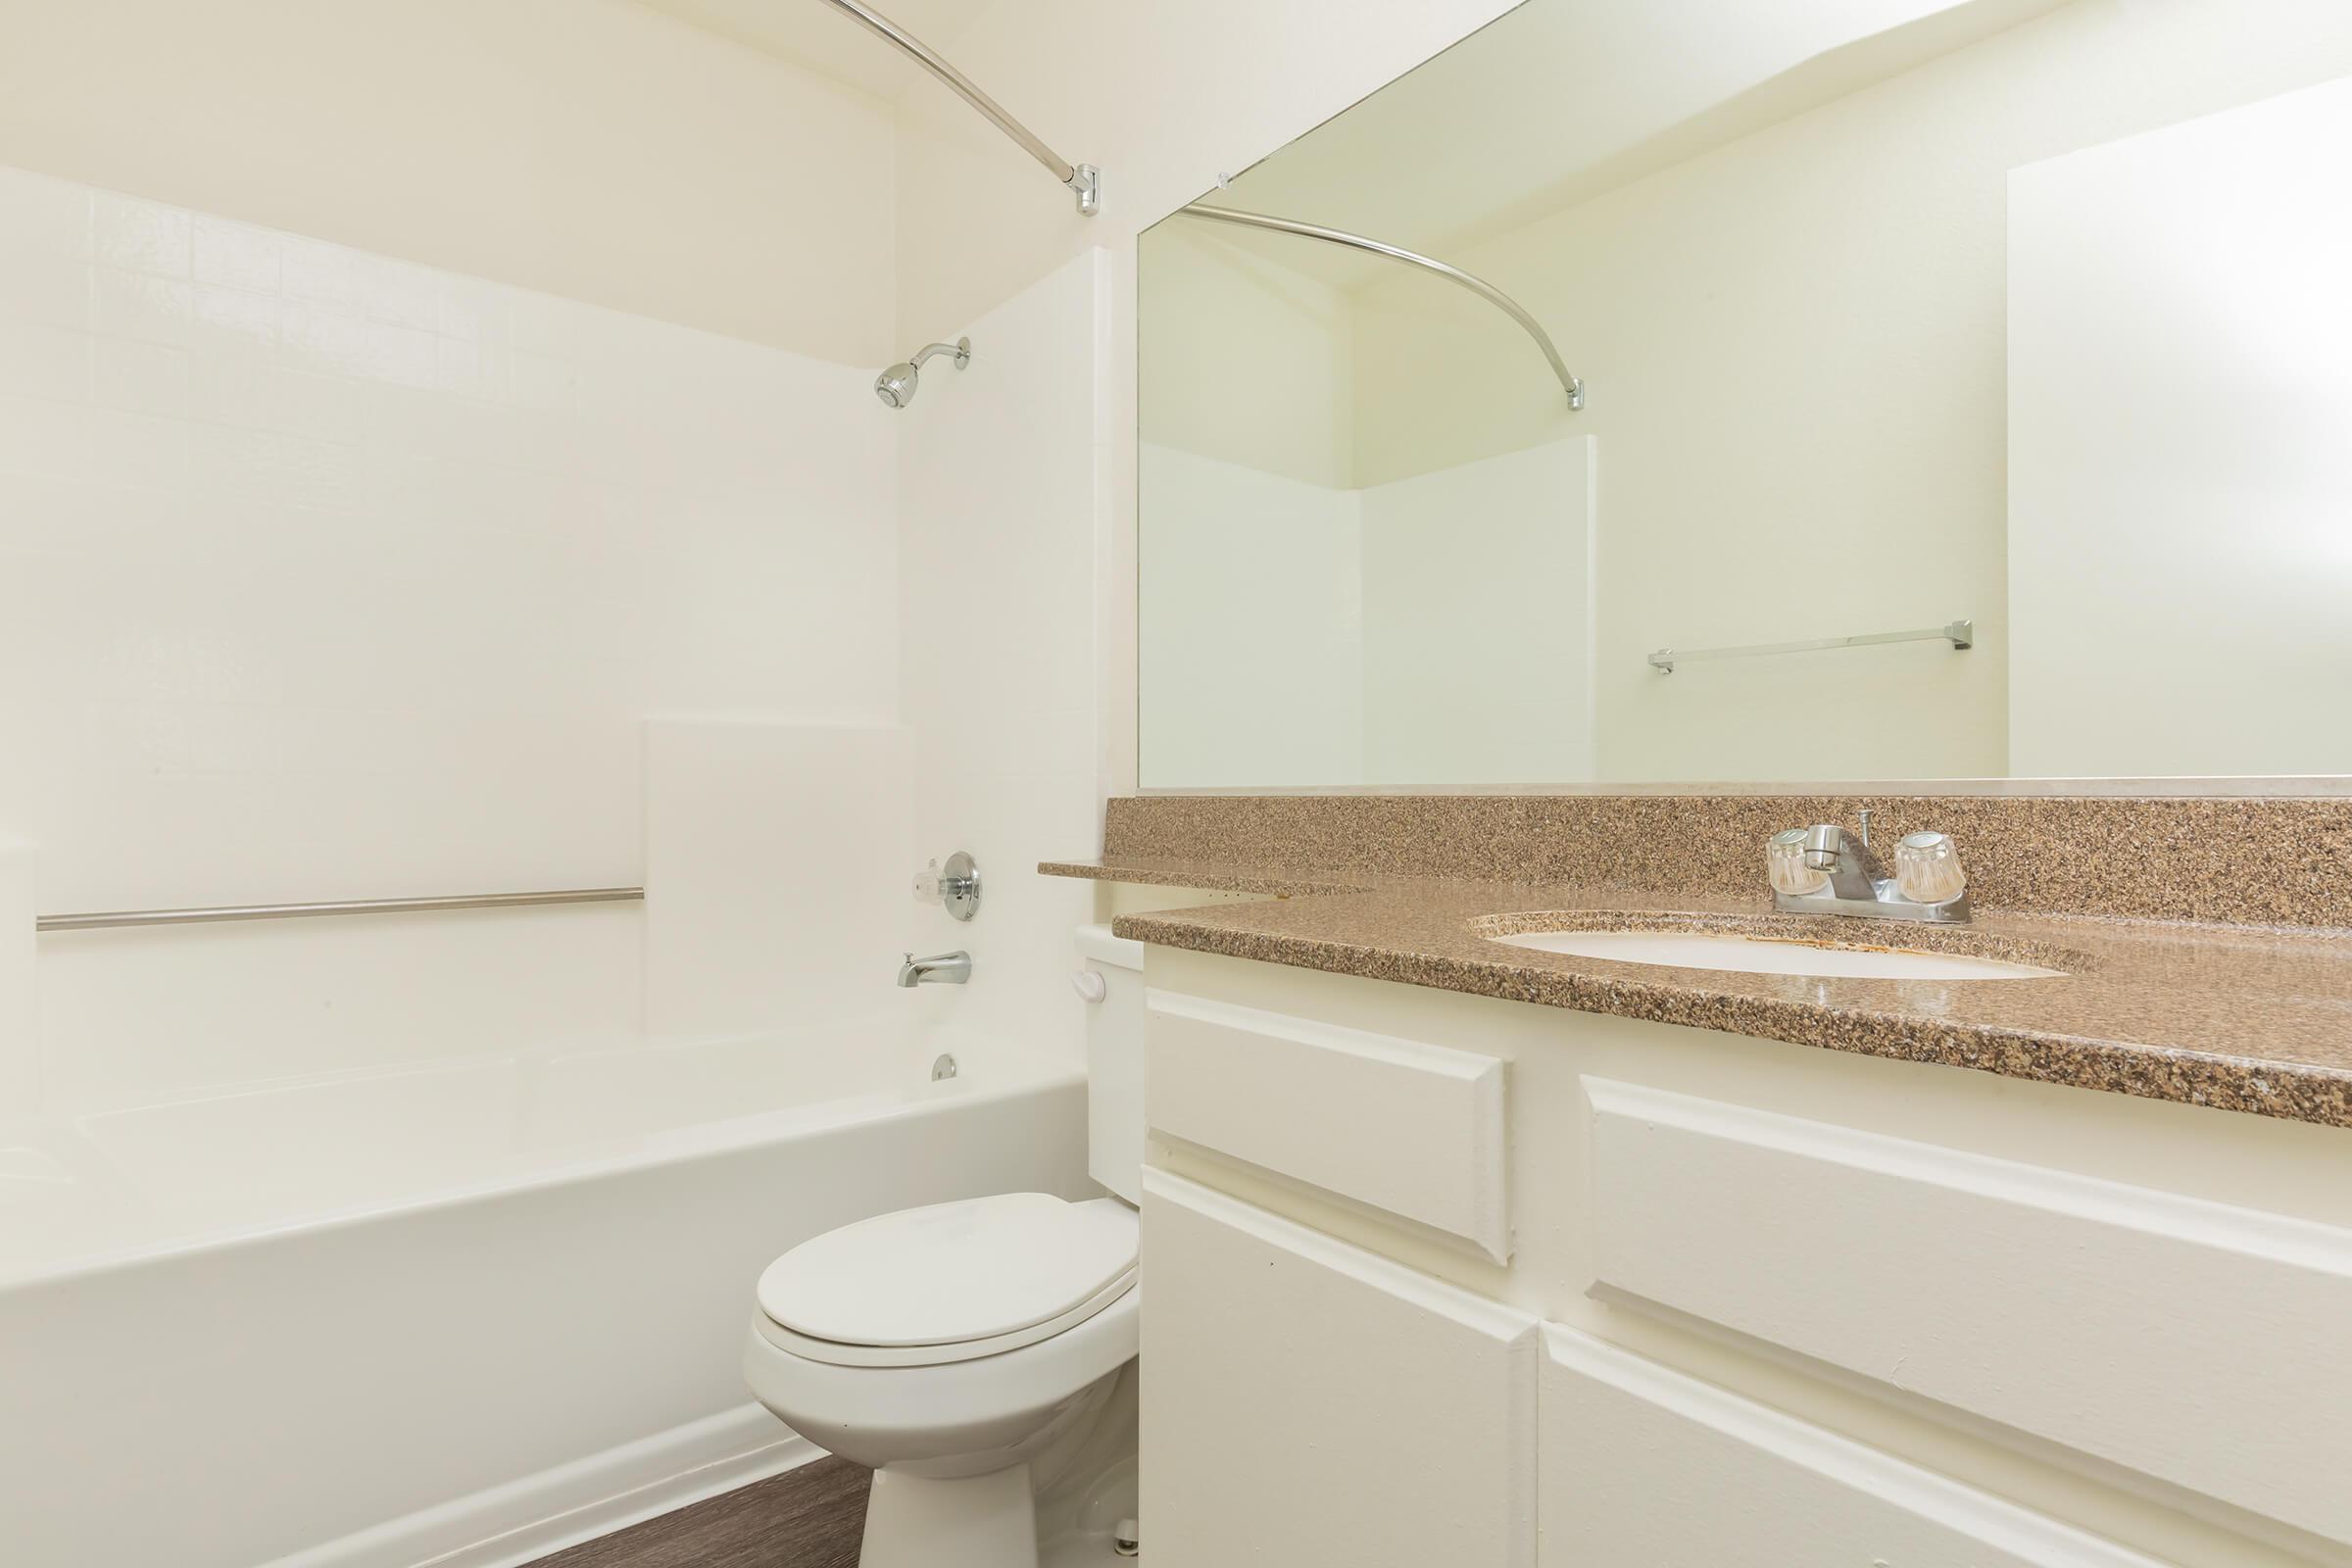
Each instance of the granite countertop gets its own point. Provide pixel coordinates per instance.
(2246, 1019)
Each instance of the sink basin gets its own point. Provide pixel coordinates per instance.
(1711, 949)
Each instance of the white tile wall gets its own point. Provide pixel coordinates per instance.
(779, 863)
(323, 576)
(1003, 516)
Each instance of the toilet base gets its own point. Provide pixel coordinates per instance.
(987, 1521)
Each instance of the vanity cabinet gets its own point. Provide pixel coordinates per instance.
(2186, 1343)
(1311, 1402)
(1441, 1279)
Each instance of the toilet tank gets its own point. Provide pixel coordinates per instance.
(1110, 979)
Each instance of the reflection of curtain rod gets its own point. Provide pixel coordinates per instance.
(1084, 179)
(1476, 285)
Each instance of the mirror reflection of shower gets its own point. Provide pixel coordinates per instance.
(896, 385)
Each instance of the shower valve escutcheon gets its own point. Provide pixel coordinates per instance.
(953, 887)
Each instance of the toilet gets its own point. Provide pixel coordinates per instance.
(976, 1352)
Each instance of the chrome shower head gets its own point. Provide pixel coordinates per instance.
(896, 385)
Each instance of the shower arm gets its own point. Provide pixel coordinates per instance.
(1085, 180)
(1475, 284)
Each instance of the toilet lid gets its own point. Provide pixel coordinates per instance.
(978, 1269)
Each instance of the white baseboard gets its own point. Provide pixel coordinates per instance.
(521, 1521)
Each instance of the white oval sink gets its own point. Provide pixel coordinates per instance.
(1711, 949)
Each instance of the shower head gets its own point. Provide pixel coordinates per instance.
(896, 385)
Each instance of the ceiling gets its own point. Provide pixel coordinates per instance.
(811, 33)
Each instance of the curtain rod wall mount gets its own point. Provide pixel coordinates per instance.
(1573, 385)
(1084, 180)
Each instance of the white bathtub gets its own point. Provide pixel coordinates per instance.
(459, 1314)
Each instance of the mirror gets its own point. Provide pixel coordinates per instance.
(1967, 395)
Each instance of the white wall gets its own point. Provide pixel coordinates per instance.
(1477, 595)
(1003, 529)
(323, 576)
(1795, 349)
(1252, 626)
(595, 149)
(1297, 635)
(2180, 480)
(1198, 89)
(1245, 359)
(1250, 614)
(776, 858)
(19, 1017)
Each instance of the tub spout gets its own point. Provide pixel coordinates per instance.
(940, 969)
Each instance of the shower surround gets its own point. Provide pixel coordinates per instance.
(325, 575)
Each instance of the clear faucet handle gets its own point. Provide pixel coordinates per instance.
(926, 886)
(1928, 868)
(1784, 864)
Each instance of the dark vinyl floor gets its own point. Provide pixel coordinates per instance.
(811, 1517)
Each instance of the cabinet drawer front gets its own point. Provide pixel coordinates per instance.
(1308, 1403)
(2197, 1344)
(1641, 1464)
(1414, 1129)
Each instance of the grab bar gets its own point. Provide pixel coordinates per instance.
(296, 912)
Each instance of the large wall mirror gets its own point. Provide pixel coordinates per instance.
(1967, 393)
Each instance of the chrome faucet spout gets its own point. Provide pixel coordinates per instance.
(940, 969)
(1854, 871)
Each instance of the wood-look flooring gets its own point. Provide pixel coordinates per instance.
(811, 1517)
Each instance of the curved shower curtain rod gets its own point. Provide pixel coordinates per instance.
(1475, 284)
(1082, 179)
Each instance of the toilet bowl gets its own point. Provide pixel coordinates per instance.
(960, 1351)
(974, 1353)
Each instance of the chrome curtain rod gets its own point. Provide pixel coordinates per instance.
(1959, 633)
(1471, 281)
(1082, 179)
(296, 912)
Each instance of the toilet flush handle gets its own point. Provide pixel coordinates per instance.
(1089, 985)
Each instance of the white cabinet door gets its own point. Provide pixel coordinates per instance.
(2201, 1346)
(1309, 1402)
(1647, 1466)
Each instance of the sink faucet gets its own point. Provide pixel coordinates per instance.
(1825, 870)
(1854, 872)
(940, 969)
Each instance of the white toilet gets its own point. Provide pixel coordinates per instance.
(974, 1353)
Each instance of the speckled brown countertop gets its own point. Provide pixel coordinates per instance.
(2255, 1019)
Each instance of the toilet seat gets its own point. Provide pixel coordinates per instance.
(834, 1353)
(950, 1282)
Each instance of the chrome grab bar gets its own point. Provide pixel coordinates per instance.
(295, 911)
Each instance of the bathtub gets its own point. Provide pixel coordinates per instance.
(462, 1315)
